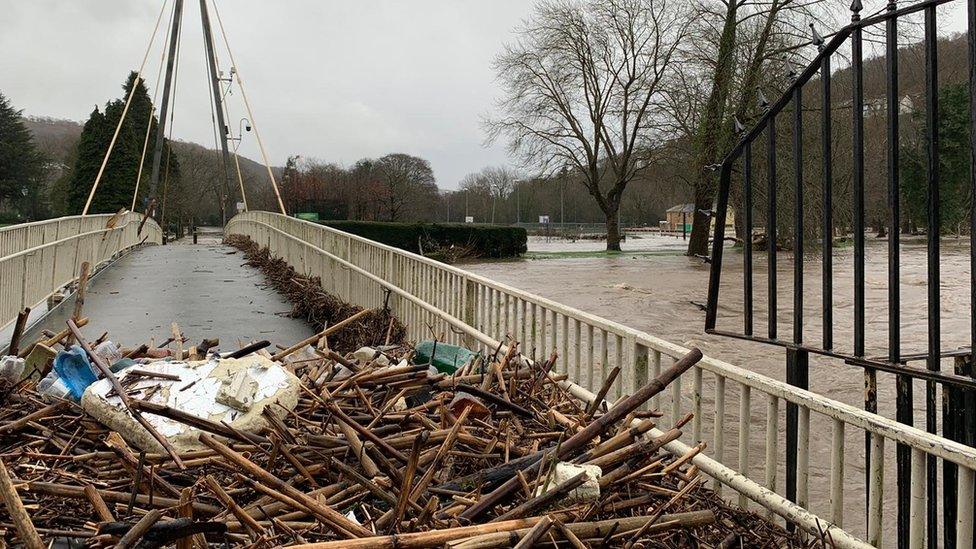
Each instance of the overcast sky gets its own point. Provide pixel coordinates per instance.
(330, 79)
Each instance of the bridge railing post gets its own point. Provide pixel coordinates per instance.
(470, 300)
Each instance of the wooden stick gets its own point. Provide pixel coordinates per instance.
(595, 405)
(80, 296)
(404, 495)
(78, 492)
(568, 534)
(657, 512)
(356, 445)
(139, 529)
(21, 422)
(196, 422)
(441, 453)
(101, 509)
(324, 333)
(248, 521)
(591, 431)
(178, 338)
(337, 521)
(437, 538)
(534, 534)
(55, 339)
(538, 502)
(618, 441)
(18, 514)
(107, 372)
(341, 416)
(18, 331)
(186, 512)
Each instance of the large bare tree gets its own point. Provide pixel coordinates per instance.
(582, 84)
(408, 182)
(738, 41)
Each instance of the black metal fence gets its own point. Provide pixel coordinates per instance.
(753, 183)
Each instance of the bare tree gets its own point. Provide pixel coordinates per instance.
(737, 42)
(491, 185)
(582, 87)
(406, 180)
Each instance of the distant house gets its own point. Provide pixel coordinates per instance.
(682, 215)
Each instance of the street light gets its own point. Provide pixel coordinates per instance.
(243, 125)
(518, 201)
(494, 196)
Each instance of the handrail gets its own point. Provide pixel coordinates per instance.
(713, 468)
(42, 257)
(42, 222)
(754, 163)
(476, 310)
(956, 452)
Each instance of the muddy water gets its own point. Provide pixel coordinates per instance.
(652, 287)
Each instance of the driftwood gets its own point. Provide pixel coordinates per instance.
(377, 453)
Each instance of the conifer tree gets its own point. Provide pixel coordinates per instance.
(119, 179)
(21, 164)
(954, 154)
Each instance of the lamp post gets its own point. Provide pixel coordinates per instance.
(494, 196)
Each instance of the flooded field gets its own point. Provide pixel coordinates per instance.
(653, 287)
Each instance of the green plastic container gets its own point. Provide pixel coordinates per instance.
(446, 358)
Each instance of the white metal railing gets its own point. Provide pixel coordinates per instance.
(36, 259)
(432, 298)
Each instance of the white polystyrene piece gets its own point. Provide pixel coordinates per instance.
(195, 393)
(586, 492)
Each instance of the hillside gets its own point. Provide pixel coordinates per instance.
(57, 139)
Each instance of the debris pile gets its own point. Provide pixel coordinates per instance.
(369, 448)
(318, 307)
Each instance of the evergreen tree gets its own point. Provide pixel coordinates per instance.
(119, 179)
(954, 150)
(21, 164)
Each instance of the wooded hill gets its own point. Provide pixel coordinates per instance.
(58, 139)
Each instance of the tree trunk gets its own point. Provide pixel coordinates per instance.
(613, 228)
(711, 131)
(701, 223)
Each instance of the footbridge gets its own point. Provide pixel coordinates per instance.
(740, 415)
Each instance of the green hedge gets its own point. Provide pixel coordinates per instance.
(482, 240)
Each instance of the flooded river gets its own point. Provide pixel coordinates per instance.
(652, 287)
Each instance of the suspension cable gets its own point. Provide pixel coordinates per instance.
(125, 110)
(152, 113)
(250, 114)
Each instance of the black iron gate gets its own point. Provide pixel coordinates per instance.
(740, 180)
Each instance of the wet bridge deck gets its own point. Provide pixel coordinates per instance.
(204, 287)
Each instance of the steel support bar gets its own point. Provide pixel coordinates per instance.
(174, 39)
(797, 375)
(218, 106)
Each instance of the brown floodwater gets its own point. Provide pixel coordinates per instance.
(652, 287)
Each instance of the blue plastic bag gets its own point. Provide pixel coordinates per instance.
(75, 371)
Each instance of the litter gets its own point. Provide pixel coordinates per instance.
(222, 390)
(376, 444)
